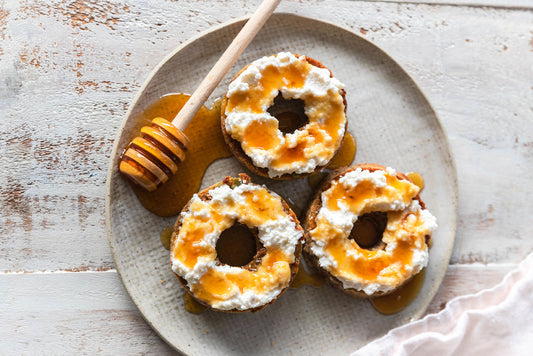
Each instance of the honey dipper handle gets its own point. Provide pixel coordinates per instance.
(228, 58)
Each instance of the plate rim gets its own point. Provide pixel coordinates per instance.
(190, 41)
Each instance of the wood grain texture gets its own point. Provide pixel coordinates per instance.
(62, 313)
(91, 313)
(464, 279)
(504, 4)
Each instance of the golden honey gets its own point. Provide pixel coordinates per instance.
(346, 154)
(305, 278)
(369, 267)
(206, 145)
(322, 133)
(417, 179)
(166, 236)
(192, 305)
(219, 230)
(385, 246)
(401, 298)
(343, 158)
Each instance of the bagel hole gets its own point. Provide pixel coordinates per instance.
(289, 112)
(368, 230)
(237, 246)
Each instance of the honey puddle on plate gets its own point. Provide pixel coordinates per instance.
(417, 179)
(192, 305)
(303, 277)
(166, 235)
(344, 157)
(400, 299)
(206, 145)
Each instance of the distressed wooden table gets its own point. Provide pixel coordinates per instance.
(69, 70)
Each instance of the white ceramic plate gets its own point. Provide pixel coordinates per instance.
(394, 125)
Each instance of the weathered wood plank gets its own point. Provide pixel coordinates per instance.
(91, 312)
(71, 68)
(467, 279)
(62, 313)
(506, 4)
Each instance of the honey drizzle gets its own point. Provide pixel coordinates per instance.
(303, 277)
(345, 156)
(417, 179)
(192, 305)
(398, 300)
(206, 145)
(166, 235)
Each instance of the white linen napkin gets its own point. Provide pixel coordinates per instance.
(496, 321)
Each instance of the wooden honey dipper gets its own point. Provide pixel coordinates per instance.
(150, 160)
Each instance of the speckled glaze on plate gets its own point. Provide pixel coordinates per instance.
(394, 125)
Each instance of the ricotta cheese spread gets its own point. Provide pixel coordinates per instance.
(225, 287)
(248, 121)
(405, 253)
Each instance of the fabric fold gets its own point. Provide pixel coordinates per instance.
(495, 321)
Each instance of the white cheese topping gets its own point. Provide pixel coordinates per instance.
(276, 232)
(407, 222)
(320, 92)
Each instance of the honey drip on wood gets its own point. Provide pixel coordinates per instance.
(346, 153)
(303, 277)
(206, 145)
(193, 306)
(166, 236)
(397, 301)
(417, 179)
